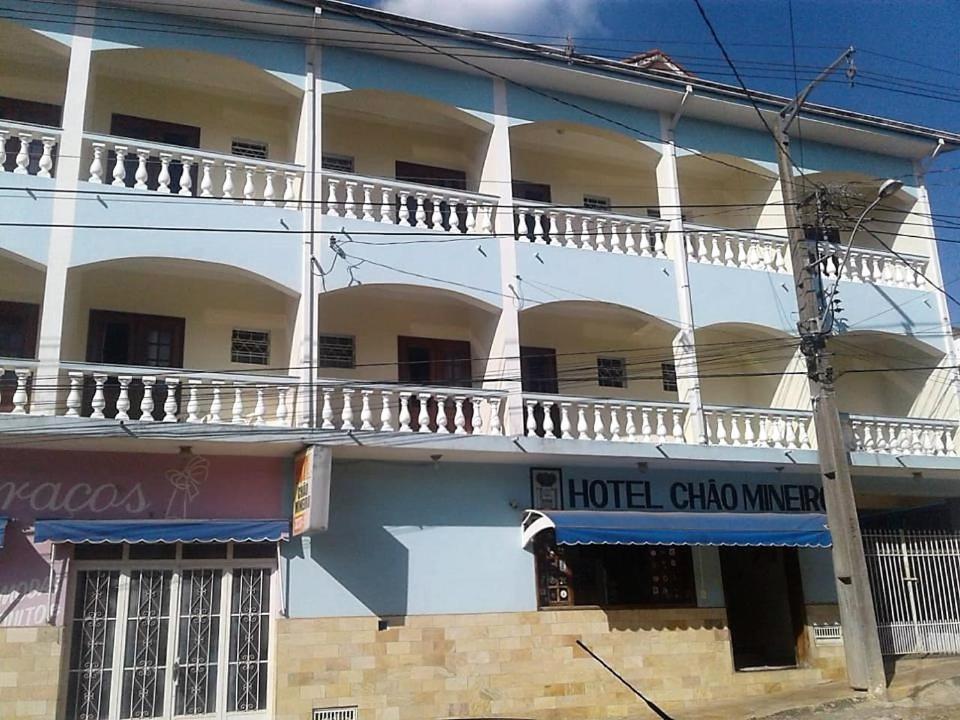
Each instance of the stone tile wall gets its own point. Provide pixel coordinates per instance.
(30, 661)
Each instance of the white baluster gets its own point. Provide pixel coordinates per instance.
(916, 443)
(565, 425)
(281, 415)
(436, 216)
(548, 427)
(630, 240)
(23, 155)
(368, 203)
(803, 435)
(326, 412)
(677, 425)
(75, 396)
(46, 159)
(601, 236)
(249, 188)
(531, 424)
(193, 402)
(20, 396)
(186, 179)
(459, 419)
(538, 228)
(582, 426)
(926, 441)
(472, 218)
(721, 430)
(659, 247)
(206, 178)
(346, 415)
(289, 188)
(99, 402)
(756, 258)
(735, 429)
(228, 187)
(123, 398)
(615, 238)
(386, 204)
(333, 203)
(386, 411)
(477, 421)
(749, 439)
(403, 214)
(163, 179)
(585, 240)
(96, 165)
(170, 401)
(423, 417)
(366, 414)
(646, 430)
(495, 427)
(140, 176)
(776, 434)
(442, 415)
(405, 412)
(216, 405)
(729, 258)
(615, 423)
(119, 170)
(259, 408)
(598, 424)
(421, 213)
(762, 438)
(715, 254)
(269, 191)
(236, 411)
(146, 402)
(631, 424)
(867, 442)
(569, 234)
(703, 255)
(790, 434)
(3, 149)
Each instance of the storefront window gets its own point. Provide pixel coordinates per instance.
(612, 575)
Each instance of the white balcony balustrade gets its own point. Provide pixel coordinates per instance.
(172, 170)
(28, 149)
(407, 204)
(730, 248)
(754, 427)
(365, 407)
(873, 266)
(902, 436)
(16, 377)
(572, 418)
(544, 224)
(160, 395)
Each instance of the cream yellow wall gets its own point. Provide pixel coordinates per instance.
(580, 339)
(21, 283)
(36, 81)
(220, 117)
(376, 316)
(212, 308)
(631, 187)
(376, 145)
(741, 199)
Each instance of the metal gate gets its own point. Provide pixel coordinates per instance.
(915, 579)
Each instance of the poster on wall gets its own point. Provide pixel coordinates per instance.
(311, 490)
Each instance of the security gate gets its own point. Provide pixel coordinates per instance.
(915, 579)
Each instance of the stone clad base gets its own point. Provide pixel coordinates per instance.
(29, 672)
(524, 665)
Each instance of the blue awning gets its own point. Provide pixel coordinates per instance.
(584, 527)
(160, 531)
(3, 528)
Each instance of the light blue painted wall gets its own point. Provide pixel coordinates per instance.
(406, 255)
(273, 255)
(345, 69)
(281, 57)
(56, 24)
(704, 136)
(816, 574)
(17, 205)
(893, 310)
(821, 157)
(731, 295)
(645, 284)
(414, 539)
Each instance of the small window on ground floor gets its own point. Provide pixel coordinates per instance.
(612, 575)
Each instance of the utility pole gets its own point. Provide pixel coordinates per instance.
(861, 642)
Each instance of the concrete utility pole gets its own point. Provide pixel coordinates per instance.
(861, 642)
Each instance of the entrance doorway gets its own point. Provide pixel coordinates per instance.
(436, 362)
(765, 611)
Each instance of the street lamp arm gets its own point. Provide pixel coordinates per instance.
(790, 112)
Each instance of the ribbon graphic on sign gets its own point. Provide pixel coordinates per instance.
(186, 484)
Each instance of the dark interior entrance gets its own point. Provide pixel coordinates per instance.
(764, 606)
(438, 363)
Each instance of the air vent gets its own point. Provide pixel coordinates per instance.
(335, 713)
(249, 149)
(594, 202)
(827, 634)
(337, 163)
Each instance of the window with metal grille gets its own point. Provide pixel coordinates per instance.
(668, 373)
(254, 149)
(612, 372)
(336, 351)
(594, 202)
(337, 163)
(250, 346)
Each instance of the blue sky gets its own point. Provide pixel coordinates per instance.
(906, 45)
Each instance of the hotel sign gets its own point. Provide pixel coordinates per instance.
(551, 491)
(311, 490)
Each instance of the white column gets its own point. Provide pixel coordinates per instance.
(308, 154)
(63, 213)
(496, 179)
(684, 345)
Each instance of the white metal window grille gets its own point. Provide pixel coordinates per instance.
(594, 202)
(668, 375)
(254, 149)
(827, 634)
(335, 713)
(250, 346)
(337, 163)
(170, 638)
(612, 372)
(336, 351)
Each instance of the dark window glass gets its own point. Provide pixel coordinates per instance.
(255, 550)
(668, 373)
(153, 551)
(612, 372)
(98, 551)
(336, 351)
(204, 551)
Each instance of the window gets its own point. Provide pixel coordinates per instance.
(255, 149)
(612, 575)
(668, 374)
(593, 202)
(653, 212)
(18, 329)
(612, 372)
(337, 163)
(177, 636)
(336, 351)
(526, 190)
(250, 346)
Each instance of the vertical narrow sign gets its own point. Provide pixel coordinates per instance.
(311, 490)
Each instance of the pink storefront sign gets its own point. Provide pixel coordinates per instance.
(38, 484)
